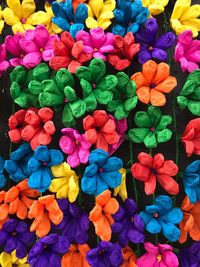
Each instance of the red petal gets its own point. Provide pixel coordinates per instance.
(150, 185)
(140, 172)
(168, 183)
(68, 40)
(15, 135)
(45, 114)
(101, 142)
(28, 133)
(77, 49)
(91, 135)
(168, 168)
(122, 64)
(32, 118)
(49, 127)
(73, 65)
(145, 159)
(58, 62)
(88, 122)
(100, 117)
(158, 161)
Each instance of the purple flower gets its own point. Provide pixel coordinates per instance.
(48, 251)
(75, 223)
(150, 46)
(16, 235)
(128, 224)
(190, 257)
(106, 254)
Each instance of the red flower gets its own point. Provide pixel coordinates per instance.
(191, 137)
(124, 51)
(68, 53)
(151, 168)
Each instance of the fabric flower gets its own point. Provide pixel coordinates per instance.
(100, 13)
(124, 51)
(39, 166)
(4, 64)
(191, 137)
(153, 82)
(4, 209)
(76, 146)
(110, 253)
(15, 235)
(121, 190)
(189, 257)
(160, 255)
(68, 19)
(44, 211)
(48, 251)
(129, 257)
(128, 224)
(102, 173)
(1, 20)
(185, 17)
(151, 127)
(2, 176)
(96, 42)
(65, 183)
(9, 260)
(69, 53)
(76, 3)
(152, 47)
(155, 6)
(129, 16)
(101, 215)
(51, 27)
(75, 224)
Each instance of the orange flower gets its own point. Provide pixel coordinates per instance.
(191, 220)
(4, 209)
(153, 81)
(44, 211)
(101, 215)
(129, 257)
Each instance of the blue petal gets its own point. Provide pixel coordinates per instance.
(164, 202)
(75, 28)
(174, 216)
(191, 193)
(46, 179)
(11, 166)
(2, 180)
(98, 156)
(58, 10)
(42, 153)
(101, 186)
(145, 216)
(153, 209)
(193, 167)
(69, 10)
(18, 176)
(124, 4)
(112, 164)
(136, 8)
(2, 162)
(91, 170)
(119, 30)
(62, 23)
(23, 150)
(134, 27)
(89, 185)
(81, 14)
(170, 231)
(35, 180)
(119, 16)
(33, 164)
(112, 179)
(191, 180)
(153, 226)
(142, 16)
(56, 157)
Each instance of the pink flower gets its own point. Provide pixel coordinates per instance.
(187, 52)
(4, 64)
(158, 256)
(76, 146)
(97, 42)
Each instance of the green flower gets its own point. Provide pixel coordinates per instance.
(190, 94)
(97, 87)
(124, 97)
(151, 127)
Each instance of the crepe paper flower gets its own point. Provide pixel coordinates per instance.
(190, 94)
(1, 20)
(110, 253)
(101, 215)
(129, 16)
(68, 19)
(76, 256)
(151, 127)
(9, 260)
(101, 173)
(76, 146)
(185, 17)
(96, 42)
(153, 82)
(125, 49)
(191, 181)
(4, 208)
(191, 137)
(15, 235)
(151, 46)
(129, 257)
(51, 27)
(160, 255)
(162, 217)
(69, 53)
(2, 176)
(189, 256)
(48, 251)
(121, 189)
(65, 183)
(155, 6)
(4, 64)
(17, 165)
(75, 223)
(100, 13)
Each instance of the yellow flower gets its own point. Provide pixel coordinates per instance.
(66, 185)
(155, 6)
(121, 189)
(21, 16)
(185, 17)
(1, 21)
(9, 260)
(100, 13)
(51, 27)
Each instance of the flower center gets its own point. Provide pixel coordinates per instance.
(77, 142)
(159, 258)
(153, 85)
(41, 49)
(71, 23)
(153, 171)
(14, 233)
(155, 215)
(94, 86)
(66, 100)
(132, 220)
(23, 20)
(45, 163)
(100, 169)
(152, 129)
(95, 49)
(150, 48)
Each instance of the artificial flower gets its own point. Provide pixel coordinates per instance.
(4, 209)
(155, 6)
(76, 3)
(1, 20)
(101, 173)
(128, 224)
(10, 260)
(2, 176)
(124, 51)
(4, 64)
(153, 82)
(162, 217)
(185, 17)
(101, 215)
(51, 27)
(121, 190)
(65, 183)
(76, 146)
(129, 16)
(129, 257)
(189, 256)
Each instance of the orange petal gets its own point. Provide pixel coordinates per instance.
(2, 196)
(184, 234)
(194, 232)
(27, 201)
(167, 85)
(149, 70)
(103, 198)
(4, 211)
(23, 185)
(11, 194)
(163, 72)
(22, 210)
(46, 199)
(112, 206)
(14, 206)
(95, 213)
(186, 205)
(44, 227)
(157, 98)
(36, 209)
(143, 94)
(139, 79)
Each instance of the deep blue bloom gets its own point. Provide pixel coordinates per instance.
(2, 176)
(190, 257)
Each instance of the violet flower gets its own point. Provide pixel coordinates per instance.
(4, 64)
(190, 257)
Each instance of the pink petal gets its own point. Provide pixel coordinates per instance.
(85, 37)
(170, 259)
(83, 155)
(98, 37)
(32, 59)
(165, 247)
(99, 55)
(11, 46)
(88, 49)
(193, 57)
(47, 54)
(185, 37)
(147, 260)
(179, 52)
(73, 159)
(110, 39)
(29, 46)
(16, 62)
(2, 52)
(41, 36)
(4, 65)
(29, 35)
(67, 145)
(50, 42)
(106, 49)
(149, 247)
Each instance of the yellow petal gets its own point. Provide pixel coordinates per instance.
(91, 23)
(192, 12)
(9, 16)
(121, 189)
(180, 7)
(39, 17)
(109, 5)
(107, 15)
(27, 26)
(62, 170)
(15, 6)
(104, 24)
(161, 3)
(28, 7)
(55, 28)
(156, 9)
(1, 25)
(60, 186)
(73, 189)
(146, 3)
(17, 261)
(96, 6)
(48, 9)
(18, 27)
(5, 260)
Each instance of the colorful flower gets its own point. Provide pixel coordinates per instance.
(129, 257)
(155, 6)
(189, 257)
(121, 190)
(4, 64)
(4, 209)
(9, 260)
(51, 27)
(2, 176)
(1, 20)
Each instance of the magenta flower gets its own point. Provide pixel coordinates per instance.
(187, 52)
(97, 42)
(160, 255)
(4, 64)
(76, 146)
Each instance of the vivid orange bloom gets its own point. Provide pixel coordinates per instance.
(129, 257)
(101, 215)
(153, 82)
(4, 209)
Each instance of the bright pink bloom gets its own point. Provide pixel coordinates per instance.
(4, 64)
(187, 52)
(158, 256)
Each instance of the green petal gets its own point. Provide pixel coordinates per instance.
(131, 89)
(41, 72)
(50, 86)
(154, 115)
(70, 94)
(84, 73)
(130, 103)
(164, 122)
(113, 104)
(67, 117)
(142, 119)
(188, 88)
(86, 86)
(91, 102)
(182, 101)
(197, 92)
(137, 135)
(194, 107)
(22, 100)
(14, 90)
(18, 75)
(164, 135)
(150, 140)
(109, 82)
(103, 97)
(98, 69)
(50, 99)
(78, 108)
(123, 79)
(120, 112)
(33, 101)
(35, 87)
(63, 78)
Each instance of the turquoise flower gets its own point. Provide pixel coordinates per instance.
(2, 176)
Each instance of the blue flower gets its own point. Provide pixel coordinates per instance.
(191, 181)
(40, 165)
(17, 165)
(129, 16)
(162, 217)
(102, 173)
(66, 19)
(2, 176)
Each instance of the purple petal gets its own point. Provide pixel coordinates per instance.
(50, 239)
(166, 41)
(135, 236)
(151, 27)
(21, 250)
(130, 206)
(11, 244)
(61, 245)
(10, 225)
(3, 237)
(159, 54)
(144, 56)
(138, 223)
